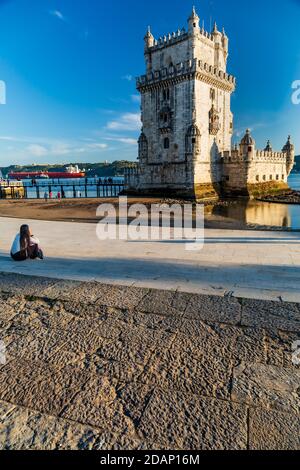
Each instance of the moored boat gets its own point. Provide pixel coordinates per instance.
(70, 172)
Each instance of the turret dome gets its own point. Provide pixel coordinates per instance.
(193, 131)
(248, 139)
(288, 146)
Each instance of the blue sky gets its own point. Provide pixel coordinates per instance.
(69, 68)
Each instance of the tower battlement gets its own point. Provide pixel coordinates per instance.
(180, 35)
(207, 73)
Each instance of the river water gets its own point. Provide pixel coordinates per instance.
(256, 213)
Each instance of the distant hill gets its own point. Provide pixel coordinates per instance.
(92, 169)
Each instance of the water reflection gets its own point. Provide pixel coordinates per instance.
(257, 213)
(263, 213)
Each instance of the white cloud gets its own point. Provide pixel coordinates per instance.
(8, 138)
(58, 14)
(128, 77)
(37, 150)
(136, 98)
(98, 146)
(123, 140)
(126, 122)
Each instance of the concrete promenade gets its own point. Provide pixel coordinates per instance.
(250, 264)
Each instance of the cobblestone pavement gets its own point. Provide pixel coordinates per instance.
(92, 366)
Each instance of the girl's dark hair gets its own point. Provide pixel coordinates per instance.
(24, 237)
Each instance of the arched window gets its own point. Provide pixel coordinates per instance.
(166, 143)
(143, 147)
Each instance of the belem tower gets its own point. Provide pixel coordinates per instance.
(185, 147)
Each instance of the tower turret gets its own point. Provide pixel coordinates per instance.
(247, 145)
(225, 45)
(220, 57)
(269, 147)
(289, 149)
(149, 42)
(149, 39)
(217, 35)
(194, 21)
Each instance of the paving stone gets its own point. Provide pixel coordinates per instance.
(250, 346)
(164, 303)
(121, 297)
(199, 364)
(37, 344)
(131, 357)
(10, 306)
(271, 315)
(24, 285)
(272, 430)
(62, 289)
(22, 429)
(75, 291)
(267, 386)
(96, 405)
(280, 348)
(214, 309)
(170, 324)
(100, 294)
(40, 314)
(36, 387)
(135, 397)
(245, 344)
(179, 421)
(86, 310)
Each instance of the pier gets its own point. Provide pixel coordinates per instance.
(66, 190)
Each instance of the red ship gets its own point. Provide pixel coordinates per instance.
(71, 172)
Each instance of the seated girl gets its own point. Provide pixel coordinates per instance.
(26, 246)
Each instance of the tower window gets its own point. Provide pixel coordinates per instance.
(166, 94)
(166, 143)
(193, 140)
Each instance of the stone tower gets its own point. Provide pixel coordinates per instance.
(186, 114)
(187, 125)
